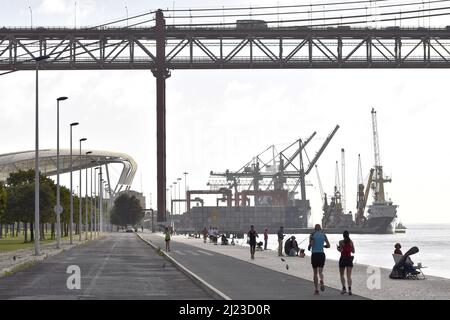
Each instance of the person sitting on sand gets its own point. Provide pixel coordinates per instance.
(409, 264)
(291, 247)
(224, 240)
(397, 249)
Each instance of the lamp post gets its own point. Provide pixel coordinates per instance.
(100, 186)
(153, 226)
(71, 188)
(95, 201)
(185, 188)
(92, 207)
(80, 218)
(126, 8)
(106, 217)
(58, 208)
(171, 208)
(37, 249)
(31, 16)
(175, 194)
(86, 197)
(179, 195)
(167, 198)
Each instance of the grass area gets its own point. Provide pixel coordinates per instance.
(17, 243)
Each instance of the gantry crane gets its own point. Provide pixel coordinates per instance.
(285, 170)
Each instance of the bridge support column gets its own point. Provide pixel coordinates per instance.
(161, 73)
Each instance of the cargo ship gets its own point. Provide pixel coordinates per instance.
(381, 213)
(262, 193)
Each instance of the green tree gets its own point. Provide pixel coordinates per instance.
(3, 200)
(20, 191)
(65, 215)
(127, 210)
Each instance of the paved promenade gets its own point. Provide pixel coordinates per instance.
(230, 270)
(11, 260)
(118, 266)
(186, 249)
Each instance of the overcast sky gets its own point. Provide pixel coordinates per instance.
(218, 120)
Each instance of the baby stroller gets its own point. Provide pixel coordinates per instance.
(404, 268)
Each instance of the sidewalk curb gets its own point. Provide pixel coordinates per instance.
(215, 293)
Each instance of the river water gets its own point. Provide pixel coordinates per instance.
(433, 241)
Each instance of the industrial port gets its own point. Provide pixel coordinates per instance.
(270, 191)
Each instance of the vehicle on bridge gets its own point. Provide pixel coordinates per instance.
(251, 24)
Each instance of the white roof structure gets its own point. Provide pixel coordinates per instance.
(24, 160)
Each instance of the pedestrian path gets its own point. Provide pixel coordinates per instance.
(236, 278)
(117, 267)
(13, 260)
(368, 281)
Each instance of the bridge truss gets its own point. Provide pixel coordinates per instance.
(163, 48)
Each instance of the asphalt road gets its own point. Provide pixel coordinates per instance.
(242, 280)
(120, 266)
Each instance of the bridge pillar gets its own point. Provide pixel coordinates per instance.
(161, 73)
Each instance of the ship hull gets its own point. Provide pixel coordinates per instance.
(381, 224)
(237, 220)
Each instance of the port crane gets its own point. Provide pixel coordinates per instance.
(362, 194)
(278, 176)
(378, 181)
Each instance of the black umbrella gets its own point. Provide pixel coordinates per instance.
(408, 253)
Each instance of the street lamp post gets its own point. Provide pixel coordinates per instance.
(100, 186)
(71, 188)
(167, 198)
(58, 208)
(185, 188)
(92, 207)
(31, 16)
(95, 201)
(153, 226)
(86, 197)
(179, 195)
(175, 195)
(80, 218)
(37, 249)
(171, 207)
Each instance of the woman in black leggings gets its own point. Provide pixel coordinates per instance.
(252, 235)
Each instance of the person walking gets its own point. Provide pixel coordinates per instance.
(266, 238)
(252, 235)
(205, 234)
(167, 239)
(280, 241)
(346, 248)
(210, 234)
(317, 241)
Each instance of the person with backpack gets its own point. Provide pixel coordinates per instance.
(317, 241)
(346, 248)
(167, 238)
